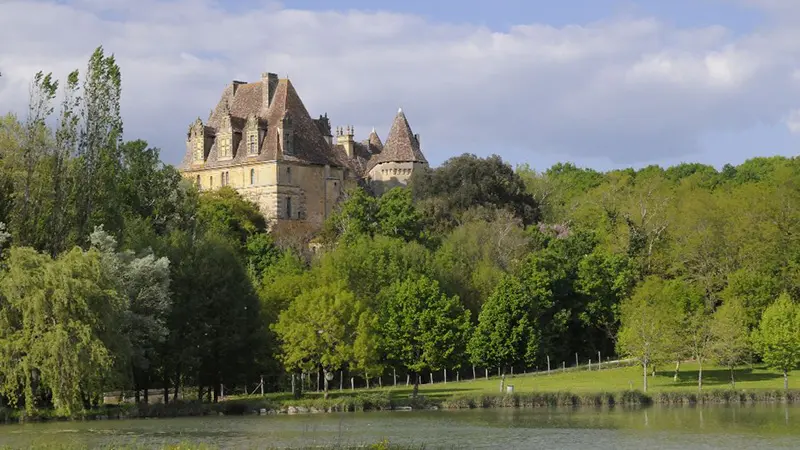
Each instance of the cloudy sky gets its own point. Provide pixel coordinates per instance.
(601, 83)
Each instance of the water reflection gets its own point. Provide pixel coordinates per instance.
(682, 427)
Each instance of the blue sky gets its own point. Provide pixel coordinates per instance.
(501, 14)
(602, 83)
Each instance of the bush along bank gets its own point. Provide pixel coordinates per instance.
(631, 398)
(382, 401)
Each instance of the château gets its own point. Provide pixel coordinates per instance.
(261, 141)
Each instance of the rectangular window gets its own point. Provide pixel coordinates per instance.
(252, 144)
(288, 207)
(288, 175)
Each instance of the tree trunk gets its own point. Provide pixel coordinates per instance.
(644, 371)
(677, 370)
(785, 380)
(166, 392)
(147, 387)
(177, 384)
(200, 393)
(325, 380)
(416, 384)
(733, 381)
(700, 375)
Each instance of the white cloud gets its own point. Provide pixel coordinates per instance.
(629, 90)
(792, 121)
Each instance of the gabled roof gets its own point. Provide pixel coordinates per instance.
(400, 146)
(309, 145)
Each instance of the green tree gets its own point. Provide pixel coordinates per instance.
(355, 216)
(143, 283)
(777, 338)
(98, 163)
(319, 329)
(397, 216)
(508, 330)
(466, 181)
(225, 212)
(60, 326)
(423, 328)
(648, 325)
(731, 343)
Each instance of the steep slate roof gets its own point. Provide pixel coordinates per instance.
(309, 146)
(401, 145)
(374, 141)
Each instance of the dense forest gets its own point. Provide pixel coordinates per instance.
(118, 275)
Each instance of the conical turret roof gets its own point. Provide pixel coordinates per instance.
(401, 145)
(375, 144)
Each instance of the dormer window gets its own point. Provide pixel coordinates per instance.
(198, 149)
(225, 146)
(252, 144)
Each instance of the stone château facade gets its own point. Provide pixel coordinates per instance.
(261, 141)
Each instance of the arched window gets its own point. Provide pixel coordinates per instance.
(252, 176)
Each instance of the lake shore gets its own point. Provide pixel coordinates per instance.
(384, 401)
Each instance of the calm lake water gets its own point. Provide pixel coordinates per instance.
(718, 427)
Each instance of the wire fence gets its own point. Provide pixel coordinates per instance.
(344, 380)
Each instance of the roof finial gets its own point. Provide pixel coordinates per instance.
(373, 129)
(399, 110)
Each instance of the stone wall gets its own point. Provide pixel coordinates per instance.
(283, 190)
(388, 175)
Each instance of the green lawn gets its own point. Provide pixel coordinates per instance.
(617, 379)
(604, 380)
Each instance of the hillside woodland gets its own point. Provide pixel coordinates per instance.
(118, 275)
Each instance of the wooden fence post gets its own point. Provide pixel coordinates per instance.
(262, 385)
(548, 363)
(599, 361)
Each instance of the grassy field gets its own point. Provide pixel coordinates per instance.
(603, 380)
